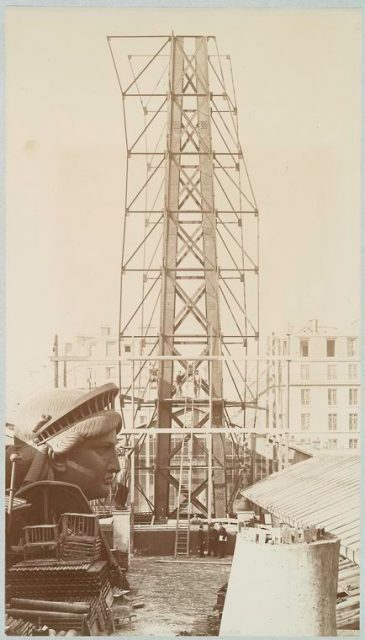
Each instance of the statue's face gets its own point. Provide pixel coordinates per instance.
(91, 465)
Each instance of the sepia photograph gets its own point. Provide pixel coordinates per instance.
(182, 272)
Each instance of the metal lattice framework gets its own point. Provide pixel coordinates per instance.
(189, 272)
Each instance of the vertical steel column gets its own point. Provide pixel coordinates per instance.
(210, 265)
(168, 298)
(56, 365)
(167, 315)
(133, 464)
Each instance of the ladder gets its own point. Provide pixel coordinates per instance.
(182, 536)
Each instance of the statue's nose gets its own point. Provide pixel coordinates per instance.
(114, 461)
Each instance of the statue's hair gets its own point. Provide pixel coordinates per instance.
(51, 404)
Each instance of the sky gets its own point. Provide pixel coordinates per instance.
(297, 81)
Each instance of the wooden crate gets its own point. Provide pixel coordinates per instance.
(41, 541)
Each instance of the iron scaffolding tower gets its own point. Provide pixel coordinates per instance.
(189, 272)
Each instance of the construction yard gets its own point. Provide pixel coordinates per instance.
(178, 594)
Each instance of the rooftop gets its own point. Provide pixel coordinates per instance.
(323, 491)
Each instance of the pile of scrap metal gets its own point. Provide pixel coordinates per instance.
(62, 582)
(60, 574)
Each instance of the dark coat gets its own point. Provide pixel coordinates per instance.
(222, 534)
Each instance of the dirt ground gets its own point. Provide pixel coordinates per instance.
(178, 594)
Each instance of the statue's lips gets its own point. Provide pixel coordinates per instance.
(108, 480)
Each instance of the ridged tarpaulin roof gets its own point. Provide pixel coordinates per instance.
(323, 491)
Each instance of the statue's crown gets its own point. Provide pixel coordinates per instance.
(83, 407)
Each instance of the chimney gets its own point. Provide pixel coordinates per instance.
(313, 325)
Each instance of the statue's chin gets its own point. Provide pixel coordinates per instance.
(100, 493)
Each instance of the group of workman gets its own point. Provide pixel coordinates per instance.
(190, 380)
(213, 541)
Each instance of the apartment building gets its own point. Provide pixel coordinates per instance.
(324, 386)
(86, 361)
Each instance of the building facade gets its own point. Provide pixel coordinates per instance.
(320, 366)
(86, 362)
(324, 386)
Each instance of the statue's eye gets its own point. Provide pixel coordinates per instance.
(103, 449)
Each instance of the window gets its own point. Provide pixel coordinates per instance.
(90, 378)
(330, 347)
(111, 348)
(332, 421)
(68, 347)
(351, 347)
(353, 421)
(331, 372)
(305, 396)
(304, 348)
(332, 397)
(304, 371)
(127, 348)
(352, 396)
(353, 443)
(332, 443)
(110, 372)
(352, 371)
(305, 421)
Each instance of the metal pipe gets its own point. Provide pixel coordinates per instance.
(14, 458)
(133, 464)
(205, 432)
(35, 613)
(195, 357)
(50, 605)
(55, 351)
